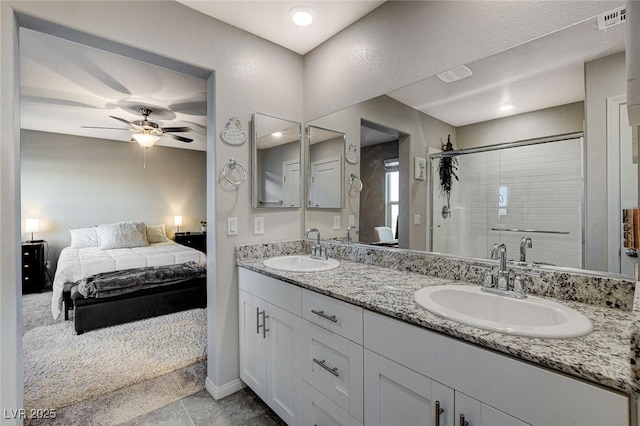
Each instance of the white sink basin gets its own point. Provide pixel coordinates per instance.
(533, 316)
(300, 263)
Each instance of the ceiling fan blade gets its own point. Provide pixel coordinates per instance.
(180, 138)
(176, 129)
(108, 128)
(121, 119)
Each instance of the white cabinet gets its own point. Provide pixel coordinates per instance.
(270, 348)
(396, 395)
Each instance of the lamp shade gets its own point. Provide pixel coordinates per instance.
(177, 221)
(145, 140)
(31, 225)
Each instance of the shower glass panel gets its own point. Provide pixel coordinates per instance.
(530, 189)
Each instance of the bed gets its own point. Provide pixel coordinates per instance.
(102, 250)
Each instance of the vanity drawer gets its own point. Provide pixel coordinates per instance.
(334, 315)
(334, 366)
(321, 411)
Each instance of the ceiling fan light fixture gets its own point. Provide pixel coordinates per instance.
(302, 16)
(145, 140)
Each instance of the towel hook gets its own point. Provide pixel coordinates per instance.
(356, 183)
(231, 165)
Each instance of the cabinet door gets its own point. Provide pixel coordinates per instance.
(253, 361)
(396, 395)
(284, 363)
(476, 413)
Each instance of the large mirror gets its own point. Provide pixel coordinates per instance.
(326, 168)
(570, 82)
(277, 154)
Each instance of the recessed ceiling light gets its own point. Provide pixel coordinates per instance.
(302, 16)
(506, 108)
(276, 134)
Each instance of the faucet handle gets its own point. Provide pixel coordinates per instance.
(487, 281)
(518, 284)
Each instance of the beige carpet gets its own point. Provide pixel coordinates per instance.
(62, 368)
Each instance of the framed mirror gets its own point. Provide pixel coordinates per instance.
(277, 157)
(325, 168)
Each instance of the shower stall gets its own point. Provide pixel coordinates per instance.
(511, 191)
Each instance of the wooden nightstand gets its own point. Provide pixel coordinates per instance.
(196, 240)
(33, 267)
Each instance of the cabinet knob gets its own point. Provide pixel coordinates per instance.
(26, 253)
(26, 265)
(26, 278)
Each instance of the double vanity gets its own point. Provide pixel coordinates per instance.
(353, 344)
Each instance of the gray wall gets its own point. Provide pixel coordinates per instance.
(537, 124)
(76, 182)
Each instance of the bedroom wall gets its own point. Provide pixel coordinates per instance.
(76, 182)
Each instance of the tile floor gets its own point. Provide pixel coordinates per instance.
(241, 408)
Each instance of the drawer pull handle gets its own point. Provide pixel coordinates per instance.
(463, 421)
(323, 364)
(439, 411)
(264, 322)
(325, 316)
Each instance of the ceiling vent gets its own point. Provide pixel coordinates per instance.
(455, 74)
(612, 17)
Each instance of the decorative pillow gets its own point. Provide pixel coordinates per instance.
(84, 237)
(122, 235)
(156, 234)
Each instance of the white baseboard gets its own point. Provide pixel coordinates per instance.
(219, 392)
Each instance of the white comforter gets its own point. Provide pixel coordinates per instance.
(74, 264)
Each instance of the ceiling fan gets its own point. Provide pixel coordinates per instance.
(146, 132)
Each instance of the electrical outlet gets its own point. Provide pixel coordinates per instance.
(232, 226)
(336, 222)
(258, 225)
(416, 219)
(352, 220)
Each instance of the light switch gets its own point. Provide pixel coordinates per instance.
(336, 222)
(416, 219)
(232, 226)
(258, 225)
(352, 220)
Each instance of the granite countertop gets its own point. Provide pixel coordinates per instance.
(601, 357)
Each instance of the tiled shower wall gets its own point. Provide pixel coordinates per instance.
(534, 187)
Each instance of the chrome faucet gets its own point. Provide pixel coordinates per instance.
(352, 227)
(524, 243)
(499, 253)
(317, 251)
